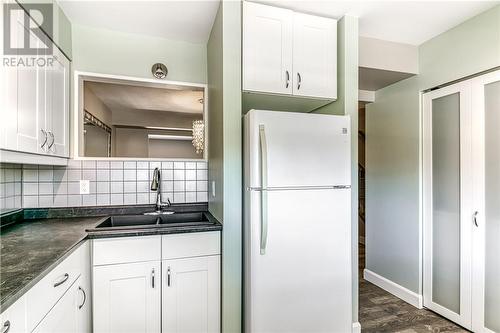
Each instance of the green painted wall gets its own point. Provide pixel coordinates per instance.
(61, 27)
(393, 243)
(225, 152)
(63, 35)
(347, 103)
(112, 52)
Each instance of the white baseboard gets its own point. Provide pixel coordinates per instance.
(406, 295)
(356, 327)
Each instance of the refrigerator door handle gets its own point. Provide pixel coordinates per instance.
(263, 194)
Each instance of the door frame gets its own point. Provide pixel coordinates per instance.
(463, 88)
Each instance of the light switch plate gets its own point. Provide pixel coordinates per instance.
(84, 186)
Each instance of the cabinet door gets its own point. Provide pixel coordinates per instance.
(8, 90)
(13, 319)
(267, 48)
(57, 112)
(30, 120)
(64, 316)
(84, 297)
(191, 295)
(314, 56)
(126, 298)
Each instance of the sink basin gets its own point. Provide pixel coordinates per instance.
(149, 221)
(197, 217)
(129, 220)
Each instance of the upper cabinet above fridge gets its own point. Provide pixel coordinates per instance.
(288, 53)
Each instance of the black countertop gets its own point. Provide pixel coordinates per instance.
(34, 246)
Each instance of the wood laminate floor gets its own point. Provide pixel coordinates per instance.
(380, 311)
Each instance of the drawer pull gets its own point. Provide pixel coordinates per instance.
(84, 298)
(6, 327)
(153, 278)
(64, 279)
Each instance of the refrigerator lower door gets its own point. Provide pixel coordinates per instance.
(302, 282)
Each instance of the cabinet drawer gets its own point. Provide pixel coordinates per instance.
(190, 245)
(14, 317)
(126, 249)
(45, 294)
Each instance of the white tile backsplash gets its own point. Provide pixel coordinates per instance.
(102, 165)
(179, 174)
(190, 174)
(116, 174)
(111, 183)
(11, 186)
(102, 175)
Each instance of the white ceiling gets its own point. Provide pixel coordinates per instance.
(411, 22)
(120, 96)
(189, 21)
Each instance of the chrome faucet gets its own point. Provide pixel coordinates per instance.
(156, 186)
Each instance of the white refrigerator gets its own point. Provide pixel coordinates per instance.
(297, 225)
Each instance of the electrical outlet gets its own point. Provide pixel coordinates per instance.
(84, 186)
(213, 188)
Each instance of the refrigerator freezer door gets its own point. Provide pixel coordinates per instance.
(303, 281)
(302, 149)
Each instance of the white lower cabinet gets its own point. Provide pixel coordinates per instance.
(59, 303)
(13, 319)
(172, 285)
(190, 295)
(69, 315)
(127, 297)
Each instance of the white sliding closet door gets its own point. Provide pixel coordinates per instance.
(447, 202)
(461, 182)
(486, 242)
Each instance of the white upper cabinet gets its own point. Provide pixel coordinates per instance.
(314, 56)
(36, 99)
(57, 121)
(267, 45)
(29, 92)
(285, 52)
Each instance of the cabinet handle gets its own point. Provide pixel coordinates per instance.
(299, 80)
(84, 298)
(45, 135)
(6, 327)
(168, 276)
(64, 279)
(474, 218)
(287, 79)
(153, 278)
(53, 139)
(263, 193)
